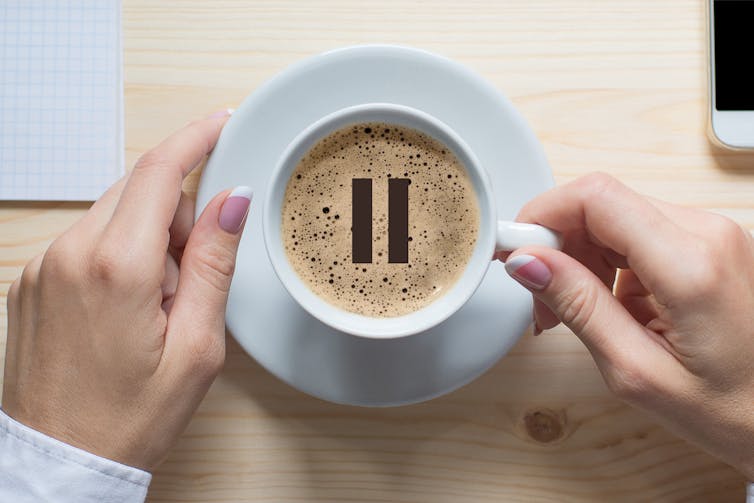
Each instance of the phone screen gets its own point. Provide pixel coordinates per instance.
(734, 53)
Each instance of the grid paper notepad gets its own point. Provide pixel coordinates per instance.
(61, 98)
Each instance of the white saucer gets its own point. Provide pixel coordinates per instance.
(268, 323)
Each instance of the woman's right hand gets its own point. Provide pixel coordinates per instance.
(676, 338)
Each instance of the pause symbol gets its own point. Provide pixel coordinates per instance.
(397, 220)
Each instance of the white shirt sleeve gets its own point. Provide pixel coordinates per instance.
(750, 493)
(35, 467)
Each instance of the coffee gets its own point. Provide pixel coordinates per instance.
(327, 190)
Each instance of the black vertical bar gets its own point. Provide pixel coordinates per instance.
(397, 218)
(361, 220)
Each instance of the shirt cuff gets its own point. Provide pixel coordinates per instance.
(35, 467)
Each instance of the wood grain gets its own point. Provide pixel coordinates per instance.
(613, 86)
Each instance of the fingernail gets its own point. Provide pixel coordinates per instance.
(529, 271)
(235, 208)
(222, 113)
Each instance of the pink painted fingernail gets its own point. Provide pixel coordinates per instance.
(235, 208)
(222, 113)
(529, 271)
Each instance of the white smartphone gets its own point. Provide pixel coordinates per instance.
(731, 85)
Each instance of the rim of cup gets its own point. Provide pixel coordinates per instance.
(353, 323)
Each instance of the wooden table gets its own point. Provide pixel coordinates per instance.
(617, 86)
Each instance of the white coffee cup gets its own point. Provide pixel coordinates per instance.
(494, 235)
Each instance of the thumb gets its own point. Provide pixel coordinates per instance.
(582, 302)
(207, 265)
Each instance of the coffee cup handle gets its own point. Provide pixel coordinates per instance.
(513, 235)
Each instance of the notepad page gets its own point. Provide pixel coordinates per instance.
(61, 98)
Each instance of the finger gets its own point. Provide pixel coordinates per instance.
(198, 312)
(613, 259)
(151, 195)
(99, 214)
(690, 219)
(601, 261)
(698, 222)
(583, 303)
(629, 284)
(617, 218)
(643, 309)
(634, 296)
(544, 318)
(169, 283)
(183, 222)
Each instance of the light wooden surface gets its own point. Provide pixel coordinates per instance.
(617, 86)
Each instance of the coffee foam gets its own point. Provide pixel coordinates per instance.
(443, 219)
